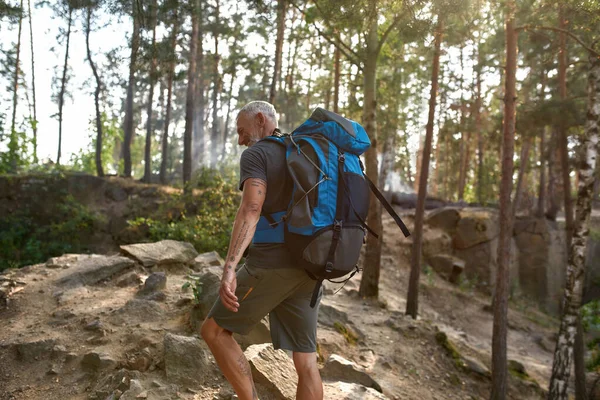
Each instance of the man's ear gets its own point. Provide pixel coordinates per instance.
(260, 117)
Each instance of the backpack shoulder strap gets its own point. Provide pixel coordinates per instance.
(385, 204)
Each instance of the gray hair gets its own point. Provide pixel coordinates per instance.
(254, 107)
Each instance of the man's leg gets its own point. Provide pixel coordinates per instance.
(310, 386)
(230, 358)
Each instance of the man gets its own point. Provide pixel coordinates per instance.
(268, 282)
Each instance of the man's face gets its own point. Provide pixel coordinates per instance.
(248, 130)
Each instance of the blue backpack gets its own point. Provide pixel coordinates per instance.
(324, 225)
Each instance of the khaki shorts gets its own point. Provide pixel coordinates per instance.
(284, 294)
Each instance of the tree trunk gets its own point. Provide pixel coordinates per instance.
(563, 355)
(63, 86)
(541, 207)
(128, 126)
(171, 73)
(214, 137)
(189, 101)
(14, 140)
(281, 6)
(369, 284)
(463, 134)
(34, 122)
(412, 299)
(500, 304)
(336, 78)
(553, 177)
(524, 159)
(387, 159)
(478, 129)
(229, 97)
(99, 135)
(438, 138)
(199, 140)
(419, 164)
(152, 78)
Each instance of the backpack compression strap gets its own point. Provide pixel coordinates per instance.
(388, 207)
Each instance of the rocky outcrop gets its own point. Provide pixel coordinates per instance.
(338, 368)
(210, 259)
(274, 370)
(160, 253)
(185, 359)
(350, 391)
(93, 269)
(447, 266)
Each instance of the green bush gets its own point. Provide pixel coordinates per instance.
(26, 238)
(203, 217)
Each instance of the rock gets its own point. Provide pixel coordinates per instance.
(96, 360)
(63, 314)
(350, 391)
(129, 279)
(444, 218)
(95, 325)
(186, 361)
(70, 295)
(476, 366)
(33, 351)
(163, 252)
(329, 315)
(155, 282)
(210, 279)
(62, 262)
(476, 226)
(142, 310)
(210, 259)
(338, 368)
(517, 367)
(273, 369)
(447, 266)
(156, 296)
(93, 269)
(436, 241)
(115, 193)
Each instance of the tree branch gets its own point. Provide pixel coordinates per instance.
(551, 28)
(394, 23)
(350, 54)
(336, 36)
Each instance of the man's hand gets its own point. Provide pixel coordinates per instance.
(227, 289)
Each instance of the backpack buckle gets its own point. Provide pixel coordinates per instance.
(337, 226)
(329, 266)
(341, 157)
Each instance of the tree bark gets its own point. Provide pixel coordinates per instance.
(336, 79)
(369, 284)
(281, 7)
(128, 125)
(500, 304)
(152, 78)
(412, 300)
(478, 129)
(171, 73)
(563, 355)
(229, 97)
(199, 139)
(99, 135)
(63, 85)
(214, 137)
(189, 102)
(524, 159)
(34, 122)
(542, 189)
(553, 177)
(464, 139)
(13, 144)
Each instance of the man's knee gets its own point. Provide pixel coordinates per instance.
(305, 363)
(210, 331)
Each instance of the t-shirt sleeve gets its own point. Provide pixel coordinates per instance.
(253, 164)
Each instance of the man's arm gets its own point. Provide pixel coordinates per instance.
(244, 226)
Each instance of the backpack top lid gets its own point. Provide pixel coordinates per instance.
(346, 134)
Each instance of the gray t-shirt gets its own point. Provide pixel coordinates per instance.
(266, 160)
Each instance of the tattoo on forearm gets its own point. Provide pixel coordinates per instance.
(245, 370)
(239, 241)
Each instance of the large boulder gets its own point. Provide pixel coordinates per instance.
(542, 260)
(436, 241)
(444, 218)
(447, 266)
(338, 368)
(93, 269)
(163, 252)
(210, 259)
(274, 370)
(476, 226)
(350, 391)
(186, 361)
